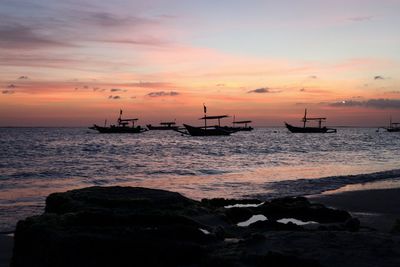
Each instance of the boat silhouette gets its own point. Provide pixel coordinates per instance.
(122, 126)
(206, 130)
(168, 125)
(393, 126)
(306, 129)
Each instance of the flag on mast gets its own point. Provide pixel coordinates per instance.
(205, 108)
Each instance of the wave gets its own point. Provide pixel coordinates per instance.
(303, 187)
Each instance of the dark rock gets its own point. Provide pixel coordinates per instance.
(236, 215)
(277, 259)
(125, 226)
(352, 224)
(222, 202)
(269, 225)
(300, 208)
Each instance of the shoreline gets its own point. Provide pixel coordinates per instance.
(375, 208)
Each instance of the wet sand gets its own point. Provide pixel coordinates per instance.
(376, 208)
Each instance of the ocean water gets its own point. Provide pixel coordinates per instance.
(266, 163)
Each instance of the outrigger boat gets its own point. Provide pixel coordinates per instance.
(306, 129)
(206, 130)
(393, 126)
(169, 125)
(121, 127)
(241, 128)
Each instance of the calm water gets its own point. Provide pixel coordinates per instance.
(266, 162)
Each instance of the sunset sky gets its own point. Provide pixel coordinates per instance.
(77, 62)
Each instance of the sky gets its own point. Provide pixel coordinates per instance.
(75, 63)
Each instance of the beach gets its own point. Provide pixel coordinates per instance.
(376, 209)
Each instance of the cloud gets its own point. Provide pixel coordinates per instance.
(144, 41)
(259, 91)
(8, 92)
(379, 77)
(114, 97)
(370, 103)
(105, 19)
(117, 90)
(23, 78)
(313, 77)
(11, 86)
(360, 18)
(163, 93)
(25, 37)
(302, 89)
(393, 92)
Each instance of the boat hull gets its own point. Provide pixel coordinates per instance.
(150, 127)
(101, 129)
(294, 129)
(198, 131)
(393, 130)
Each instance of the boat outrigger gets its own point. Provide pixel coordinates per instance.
(206, 130)
(168, 125)
(306, 129)
(393, 126)
(121, 127)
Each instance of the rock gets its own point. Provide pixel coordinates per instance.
(300, 208)
(222, 202)
(113, 226)
(236, 215)
(352, 224)
(133, 226)
(277, 259)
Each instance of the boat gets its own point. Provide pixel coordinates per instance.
(206, 130)
(169, 125)
(306, 129)
(245, 127)
(393, 126)
(122, 126)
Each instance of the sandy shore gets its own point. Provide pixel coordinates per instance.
(376, 208)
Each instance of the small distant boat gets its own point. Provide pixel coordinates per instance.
(206, 130)
(121, 127)
(306, 129)
(393, 126)
(168, 125)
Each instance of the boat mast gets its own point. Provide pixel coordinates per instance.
(305, 118)
(205, 117)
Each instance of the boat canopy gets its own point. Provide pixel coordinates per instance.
(168, 123)
(241, 122)
(214, 117)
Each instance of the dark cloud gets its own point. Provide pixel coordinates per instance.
(163, 93)
(23, 78)
(17, 36)
(11, 86)
(259, 90)
(8, 92)
(302, 89)
(114, 97)
(117, 90)
(370, 103)
(360, 18)
(379, 77)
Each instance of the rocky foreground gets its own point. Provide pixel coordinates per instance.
(132, 226)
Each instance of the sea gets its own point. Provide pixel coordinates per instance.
(265, 163)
